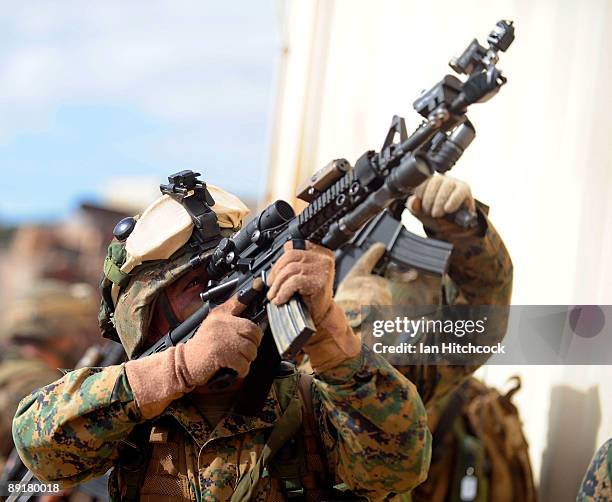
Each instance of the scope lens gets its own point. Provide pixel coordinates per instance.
(284, 210)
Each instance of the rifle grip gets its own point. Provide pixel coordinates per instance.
(463, 218)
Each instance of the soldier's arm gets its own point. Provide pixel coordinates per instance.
(481, 273)
(70, 430)
(480, 265)
(373, 426)
(370, 417)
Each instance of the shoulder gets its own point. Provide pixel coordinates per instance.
(597, 481)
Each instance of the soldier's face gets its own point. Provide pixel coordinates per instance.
(182, 297)
(184, 294)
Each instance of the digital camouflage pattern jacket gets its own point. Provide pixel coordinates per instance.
(597, 483)
(480, 273)
(369, 419)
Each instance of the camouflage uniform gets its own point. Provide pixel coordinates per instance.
(480, 273)
(56, 318)
(597, 483)
(368, 422)
(369, 419)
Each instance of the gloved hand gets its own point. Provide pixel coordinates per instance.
(441, 195)
(361, 286)
(310, 273)
(438, 197)
(223, 340)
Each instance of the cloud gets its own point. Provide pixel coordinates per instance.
(192, 79)
(176, 60)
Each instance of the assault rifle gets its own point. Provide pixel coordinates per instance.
(342, 200)
(347, 208)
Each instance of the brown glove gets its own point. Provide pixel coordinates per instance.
(442, 195)
(361, 286)
(224, 340)
(439, 196)
(310, 273)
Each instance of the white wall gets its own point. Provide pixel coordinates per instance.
(541, 159)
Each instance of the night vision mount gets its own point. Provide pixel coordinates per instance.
(477, 58)
(185, 188)
(447, 101)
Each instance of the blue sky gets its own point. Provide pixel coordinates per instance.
(92, 91)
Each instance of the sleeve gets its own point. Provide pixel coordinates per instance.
(69, 431)
(373, 426)
(481, 272)
(480, 265)
(597, 482)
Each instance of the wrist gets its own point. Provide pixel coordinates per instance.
(158, 379)
(345, 371)
(333, 343)
(441, 228)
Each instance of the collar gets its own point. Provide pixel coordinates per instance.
(187, 415)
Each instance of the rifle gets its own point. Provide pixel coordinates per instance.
(402, 248)
(349, 207)
(341, 200)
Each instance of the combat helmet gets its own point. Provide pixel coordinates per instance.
(175, 234)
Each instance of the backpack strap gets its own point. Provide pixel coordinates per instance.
(301, 466)
(316, 467)
(285, 428)
(292, 458)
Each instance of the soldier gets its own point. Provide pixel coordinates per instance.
(46, 329)
(597, 483)
(358, 427)
(480, 273)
